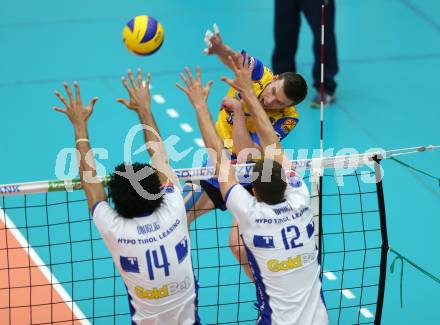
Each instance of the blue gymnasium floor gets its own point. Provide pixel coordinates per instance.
(389, 54)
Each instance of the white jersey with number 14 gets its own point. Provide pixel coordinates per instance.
(153, 255)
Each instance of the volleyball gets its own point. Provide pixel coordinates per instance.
(143, 35)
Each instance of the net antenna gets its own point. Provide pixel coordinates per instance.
(317, 170)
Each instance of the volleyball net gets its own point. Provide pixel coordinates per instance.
(55, 268)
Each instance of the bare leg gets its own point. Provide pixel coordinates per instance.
(238, 250)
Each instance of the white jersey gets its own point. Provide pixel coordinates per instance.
(153, 256)
(280, 245)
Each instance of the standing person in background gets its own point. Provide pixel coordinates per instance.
(287, 27)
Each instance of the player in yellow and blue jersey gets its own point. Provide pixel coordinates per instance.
(278, 94)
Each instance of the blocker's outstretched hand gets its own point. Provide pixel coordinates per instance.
(139, 92)
(76, 111)
(243, 73)
(197, 94)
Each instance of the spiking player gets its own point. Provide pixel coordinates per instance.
(275, 224)
(146, 233)
(278, 94)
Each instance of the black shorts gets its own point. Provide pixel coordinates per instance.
(216, 196)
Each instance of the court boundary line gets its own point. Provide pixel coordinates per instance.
(421, 14)
(48, 275)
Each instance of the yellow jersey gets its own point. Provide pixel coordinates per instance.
(283, 120)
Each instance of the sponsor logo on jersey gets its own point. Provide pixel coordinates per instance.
(182, 250)
(147, 228)
(273, 220)
(251, 60)
(310, 228)
(129, 264)
(230, 118)
(165, 291)
(170, 229)
(155, 293)
(295, 181)
(283, 209)
(168, 189)
(128, 241)
(299, 214)
(288, 124)
(298, 261)
(263, 241)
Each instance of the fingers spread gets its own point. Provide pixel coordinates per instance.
(69, 93)
(229, 81)
(60, 97)
(233, 64)
(188, 72)
(58, 109)
(239, 60)
(198, 74)
(184, 80)
(139, 76)
(77, 92)
(93, 102)
(209, 85)
(182, 88)
(123, 101)
(147, 80)
(246, 60)
(127, 87)
(131, 77)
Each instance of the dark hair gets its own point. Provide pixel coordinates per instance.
(128, 203)
(295, 87)
(270, 189)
